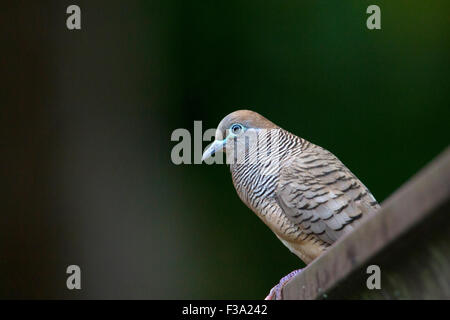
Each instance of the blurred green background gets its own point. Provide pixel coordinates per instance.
(87, 118)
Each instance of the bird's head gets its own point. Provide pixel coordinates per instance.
(236, 132)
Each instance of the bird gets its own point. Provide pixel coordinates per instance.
(305, 195)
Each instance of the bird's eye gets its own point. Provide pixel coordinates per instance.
(236, 128)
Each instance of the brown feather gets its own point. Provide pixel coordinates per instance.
(308, 198)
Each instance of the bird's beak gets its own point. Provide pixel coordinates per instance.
(216, 146)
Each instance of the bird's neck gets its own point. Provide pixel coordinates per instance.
(256, 172)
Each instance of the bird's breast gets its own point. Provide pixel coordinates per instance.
(254, 184)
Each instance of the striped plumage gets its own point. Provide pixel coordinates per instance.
(301, 191)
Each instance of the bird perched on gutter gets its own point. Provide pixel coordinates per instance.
(301, 191)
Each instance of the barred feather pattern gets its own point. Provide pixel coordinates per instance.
(301, 191)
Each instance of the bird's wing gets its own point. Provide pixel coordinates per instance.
(321, 196)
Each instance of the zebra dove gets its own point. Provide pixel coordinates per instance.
(301, 191)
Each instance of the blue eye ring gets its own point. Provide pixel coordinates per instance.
(236, 128)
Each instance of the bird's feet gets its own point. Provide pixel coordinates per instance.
(275, 293)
